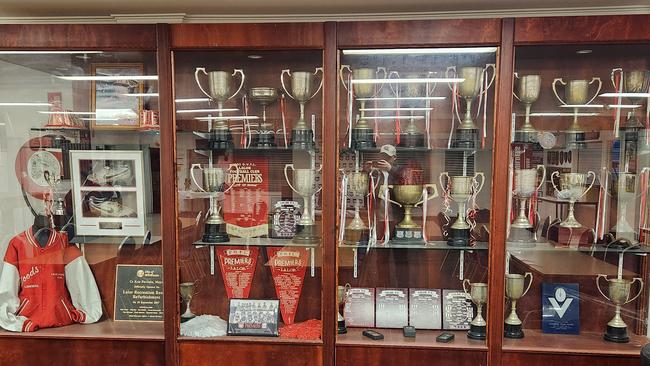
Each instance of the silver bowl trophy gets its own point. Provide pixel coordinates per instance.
(478, 293)
(219, 90)
(527, 92)
(525, 187)
(576, 93)
(356, 232)
(187, 292)
(573, 186)
(362, 133)
(409, 196)
(633, 82)
(342, 294)
(461, 190)
(214, 180)
(302, 91)
(264, 96)
(619, 293)
(304, 184)
(515, 291)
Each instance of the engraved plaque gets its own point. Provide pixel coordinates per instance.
(424, 308)
(457, 310)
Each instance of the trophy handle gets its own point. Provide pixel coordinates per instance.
(341, 70)
(555, 90)
(592, 182)
(494, 75)
(198, 81)
(381, 69)
(449, 76)
(381, 195)
(613, 74)
(286, 176)
(640, 289)
(476, 175)
(288, 72)
(320, 86)
(530, 282)
(236, 177)
(241, 85)
(442, 184)
(598, 285)
(434, 193)
(600, 86)
(543, 169)
(194, 166)
(555, 173)
(516, 75)
(465, 283)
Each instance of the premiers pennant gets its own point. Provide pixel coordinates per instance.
(237, 269)
(288, 270)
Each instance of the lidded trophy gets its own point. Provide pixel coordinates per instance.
(576, 93)
(461, 189)
(573, 186)
(527, 92)
(302, 91)
(363, 88)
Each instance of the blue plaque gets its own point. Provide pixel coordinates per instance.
(560, 308)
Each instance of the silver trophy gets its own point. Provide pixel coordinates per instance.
(525, 186)
(356, 231)
(187, 292)
(411, 136)
(362, 132)
(515, 291)
(478, 293)
(573, 186)
(302, 91)
(527, 92)
(576, 93)
(264, 96)
(214, 180)
(634, 82)
(342, 295)
(304, 184)
(461, 190)
(619, 290)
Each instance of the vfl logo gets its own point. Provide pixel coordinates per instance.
(560, 302)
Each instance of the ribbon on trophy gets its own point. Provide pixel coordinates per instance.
(472, 212)
(344, 204)
(427, 113)
(386, 218)
(375, 105)
(601, 217)
(370, 205)
(283, 113)
(455, 102)
(350, 109)
(237, 269)
(425, 199)
(245, 138)
(617, 80)
(446, 208)
(643, 178)
(288, 267)
(482, 104)
(395, 90)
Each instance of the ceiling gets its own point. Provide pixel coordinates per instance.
(174, 10)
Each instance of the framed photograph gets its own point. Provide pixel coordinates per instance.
(253, 317)
(113, 101)
(108, 192)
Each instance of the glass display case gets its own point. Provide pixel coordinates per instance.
(80, 230)
(415, 160)
(249, 145)
(576, 253)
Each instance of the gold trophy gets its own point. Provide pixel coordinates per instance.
(342, 294)
(572, 188)
(478, 293)
(187, 291)
(356, 232)
(214, 180)
(619, 293)
(515, 291)
(527, 93)
(264, 96)
(304, 184)
(362, 133)
(634, 82)
(576, 93)
(302, 85)
(461, 189)
(409, 196)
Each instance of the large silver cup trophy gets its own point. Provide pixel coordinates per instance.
(304, 184)
(515, 291)
(364, 87)
(264, 96)
(302, 91)
(219, 90)
(214, 181)
(478, 294)
(527, 92)
(619, 293)
(573, 186)
(576, 96)
(525, 186)
(461, 189)
(635, 82)
(356, 232)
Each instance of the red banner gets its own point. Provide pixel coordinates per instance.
(237, 269)
(246, 205)
(288, 270)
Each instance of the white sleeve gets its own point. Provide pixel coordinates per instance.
(9, 301)
(83, 290)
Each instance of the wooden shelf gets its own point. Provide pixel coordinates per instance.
(250, 339)
(107, 329)
(425, 339)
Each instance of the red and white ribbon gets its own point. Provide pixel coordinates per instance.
(350, 109)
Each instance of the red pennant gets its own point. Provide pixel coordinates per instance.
(288, 267)
(237, 269)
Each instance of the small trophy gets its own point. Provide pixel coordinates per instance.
(264, 96)
(59, 188)
(214, 180)
(461, 189)
(362, 132)
(219, 91)
(187, 292)
(302, 85)
(573, 187)
(304, 184)
(528, 90)
(342, 295)
(515, 291)
(356, 232)
(634, 82)
(478, 293)
(619, 293)
(576, 93)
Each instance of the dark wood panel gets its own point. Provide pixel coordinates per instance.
(419, 33)
(250, 36)
(242, 353)
(530, 359)
(367, 356)
(595, 29)
(78, 36)
(66, 352)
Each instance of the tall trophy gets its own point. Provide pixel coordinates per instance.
(469, 89)
(302, 86)
(527, 93)
(356, 232)
(214, 180)
(304, 184)
(342, 294)
(576, 93)
(619, 293)
(264, 96)
(411, 136)
(634, 82)
(461, 189)
(515, 291)
(573, 186)
(478, 293)
(362, 133)
(186, 290)
(219, 83)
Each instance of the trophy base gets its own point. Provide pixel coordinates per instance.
(341, 328)
(214, 234)
(185, 318)
(525, 136)
(476, 332)
(458, 237)
(363, 138)
(356, 236)
(616, 335)
(302, 139)
(404, 236)
(411, 140)
(220, 139)
(513, 331)
(265, 140)
(521, 238)
(306, 234)
(465, 139)
(575, 140)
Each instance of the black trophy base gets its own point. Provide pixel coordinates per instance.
(525, 137)
(466, 139)
(341, 328)
(458, 237)
(410, 140)
(265, 141)
(575, 140)
(404, 236)
(214, 234)
(616, 335)
(302, 139)
(220, 139)
(513, 331)
(306, 234)
(363, 138)
(186, 318)
(476, 332)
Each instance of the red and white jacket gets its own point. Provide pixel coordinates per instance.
(46, 287)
